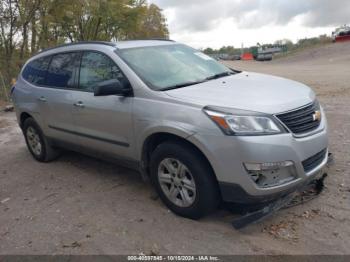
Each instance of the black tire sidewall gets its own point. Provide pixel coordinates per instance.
(30, 122)
(207, 197)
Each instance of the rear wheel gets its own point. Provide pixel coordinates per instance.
(37, 143)
(184, 180)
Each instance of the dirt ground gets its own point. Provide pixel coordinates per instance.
(78, 205)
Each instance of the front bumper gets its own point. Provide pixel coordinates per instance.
(227, 155)
(236, 194)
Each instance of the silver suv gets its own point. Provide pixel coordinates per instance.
(202, 132)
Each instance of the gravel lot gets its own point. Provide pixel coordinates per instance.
(78, 205)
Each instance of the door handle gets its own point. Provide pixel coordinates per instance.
(42, 99)
(79, 104)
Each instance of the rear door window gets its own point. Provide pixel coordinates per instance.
(63, 70)
(35, 71)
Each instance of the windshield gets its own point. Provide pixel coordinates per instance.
(172, 66)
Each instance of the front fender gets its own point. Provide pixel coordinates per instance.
(180, 130)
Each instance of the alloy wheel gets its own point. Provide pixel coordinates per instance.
(34, 141)
(177, 182)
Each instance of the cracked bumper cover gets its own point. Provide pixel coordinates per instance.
(236, 194)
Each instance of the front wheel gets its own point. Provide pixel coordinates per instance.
(184, 180)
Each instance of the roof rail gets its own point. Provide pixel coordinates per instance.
(114, 44)
(79, 43)
(146, 39)
(161, 39)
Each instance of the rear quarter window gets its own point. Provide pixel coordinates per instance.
(35, 71)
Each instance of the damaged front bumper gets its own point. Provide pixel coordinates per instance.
(235, 193)
(299, 195)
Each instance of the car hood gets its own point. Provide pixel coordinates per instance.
(248, 91)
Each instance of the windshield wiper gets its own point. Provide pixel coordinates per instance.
(182, 85)
(216, 76)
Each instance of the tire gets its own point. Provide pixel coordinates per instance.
(195, 170)
(43, 151)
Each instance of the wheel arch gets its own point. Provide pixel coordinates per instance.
(23, 117)
(155, 139)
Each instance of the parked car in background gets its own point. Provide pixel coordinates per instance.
(202, 132)
(340, 33)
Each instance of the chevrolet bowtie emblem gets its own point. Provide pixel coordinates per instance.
(317, 116)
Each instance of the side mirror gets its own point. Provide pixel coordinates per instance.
(112, 87)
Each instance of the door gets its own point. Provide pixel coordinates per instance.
(104, 123)
(35, 73)
(56, 97)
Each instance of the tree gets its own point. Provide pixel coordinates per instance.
(209, 51)
(152, 24)
(30, 25)
(26, 11)
(230, 50)
(9, 16)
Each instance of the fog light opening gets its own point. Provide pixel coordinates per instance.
(271, 174)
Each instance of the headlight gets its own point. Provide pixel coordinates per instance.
(244, 122)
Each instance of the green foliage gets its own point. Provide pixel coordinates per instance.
(27, 26)
(153, 24)
(209, 51)
(322, 39)
(229, 50)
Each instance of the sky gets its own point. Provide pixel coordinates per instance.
(215, 23)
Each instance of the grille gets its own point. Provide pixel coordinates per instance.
(301, 120)
(314, 161)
